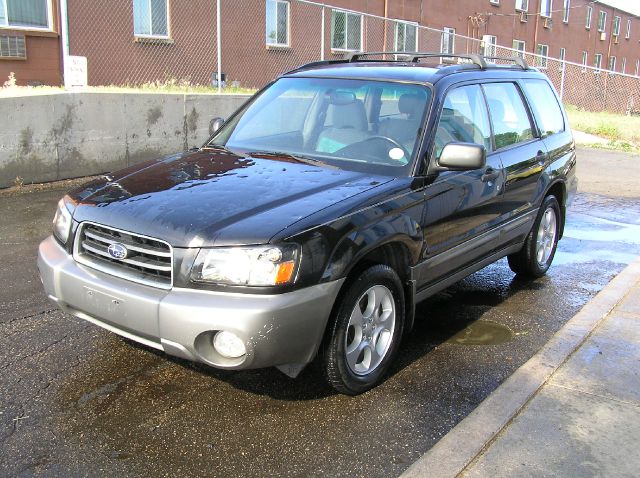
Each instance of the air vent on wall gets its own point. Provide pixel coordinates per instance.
(524, 16)
(548, 22)
(13, 47)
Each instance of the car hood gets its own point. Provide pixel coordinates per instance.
(209, 197)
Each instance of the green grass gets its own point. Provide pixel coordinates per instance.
(167, 86)
(614, 127)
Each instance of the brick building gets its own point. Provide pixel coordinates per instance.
(136, 41)
(30, 41)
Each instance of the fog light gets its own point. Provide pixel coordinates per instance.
(229, 345)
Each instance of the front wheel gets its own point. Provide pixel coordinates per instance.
(365, 334)
(535, 257)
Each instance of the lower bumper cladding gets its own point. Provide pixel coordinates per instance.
(283, 330)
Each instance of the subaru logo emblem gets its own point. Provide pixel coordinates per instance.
(117, 251)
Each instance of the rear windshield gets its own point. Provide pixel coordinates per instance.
(358, 125)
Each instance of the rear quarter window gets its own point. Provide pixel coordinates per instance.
(545, 106)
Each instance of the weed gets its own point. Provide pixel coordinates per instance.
(11, 81)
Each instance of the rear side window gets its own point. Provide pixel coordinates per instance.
(509, 116)
(545, 106)
(464, 119)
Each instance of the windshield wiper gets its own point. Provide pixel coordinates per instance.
(296, 157)
(220, 147)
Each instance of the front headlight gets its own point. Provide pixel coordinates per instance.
(248, 266)
(62, 222)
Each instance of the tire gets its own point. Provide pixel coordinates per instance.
(535, 257)
(359, 348)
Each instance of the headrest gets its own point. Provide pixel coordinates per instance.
(410, 104)
(350, 115)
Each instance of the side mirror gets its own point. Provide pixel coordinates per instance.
(462, 157)
(215, 124)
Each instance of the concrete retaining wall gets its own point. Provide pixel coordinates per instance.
(69, 134)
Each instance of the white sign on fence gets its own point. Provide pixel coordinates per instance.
(75, 72)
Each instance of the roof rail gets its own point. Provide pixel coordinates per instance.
(356, 55)
(476, 59)
(311, 64)
(521, 62)
(472, 57)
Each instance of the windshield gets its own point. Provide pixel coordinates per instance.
(358, 125)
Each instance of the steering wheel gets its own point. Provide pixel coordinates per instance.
(396, 144)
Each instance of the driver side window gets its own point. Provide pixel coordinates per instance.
(464, 119)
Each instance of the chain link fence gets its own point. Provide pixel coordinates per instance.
(174, 43)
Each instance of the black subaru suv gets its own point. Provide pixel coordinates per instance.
(315, 218)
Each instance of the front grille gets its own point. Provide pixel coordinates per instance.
(148, 261)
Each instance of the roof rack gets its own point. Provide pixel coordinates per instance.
(476, 59)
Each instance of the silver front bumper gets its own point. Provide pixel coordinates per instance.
(282, 330)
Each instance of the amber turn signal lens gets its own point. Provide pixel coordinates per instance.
(285, 271)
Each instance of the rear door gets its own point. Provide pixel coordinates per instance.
(553, 128)
(523, 153)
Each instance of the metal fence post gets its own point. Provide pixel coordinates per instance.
(64, 37)
(322, 35)
(219, 45)
(564, 69)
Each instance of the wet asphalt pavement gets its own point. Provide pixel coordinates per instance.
(76, 400)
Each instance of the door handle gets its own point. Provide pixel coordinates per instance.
(542, 157)
(490, 174)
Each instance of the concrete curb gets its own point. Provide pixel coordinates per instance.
(458, 448)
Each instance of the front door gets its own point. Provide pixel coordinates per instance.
(462, 208)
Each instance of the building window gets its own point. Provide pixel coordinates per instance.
(489, 43)
(543, 51)
(546, 7)
(612, 63)
(565, 11)
(34, 14)
(522, 5)
(406, 37)
(448, 42)
(623, 66)
(589, 13)
(616, 26)
(585, 60)
(628, 34)
(637, 67)
(563, 54)
(151, 18)
(602, 21)
(598, 61)
(519, 46)
(277, 23)
(13, 46)
(346, 31)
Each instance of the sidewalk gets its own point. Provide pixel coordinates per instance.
(572, 410)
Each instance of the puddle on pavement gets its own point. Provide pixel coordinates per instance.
(483, 332)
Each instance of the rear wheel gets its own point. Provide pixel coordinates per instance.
(365, 333)
(535, 257)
